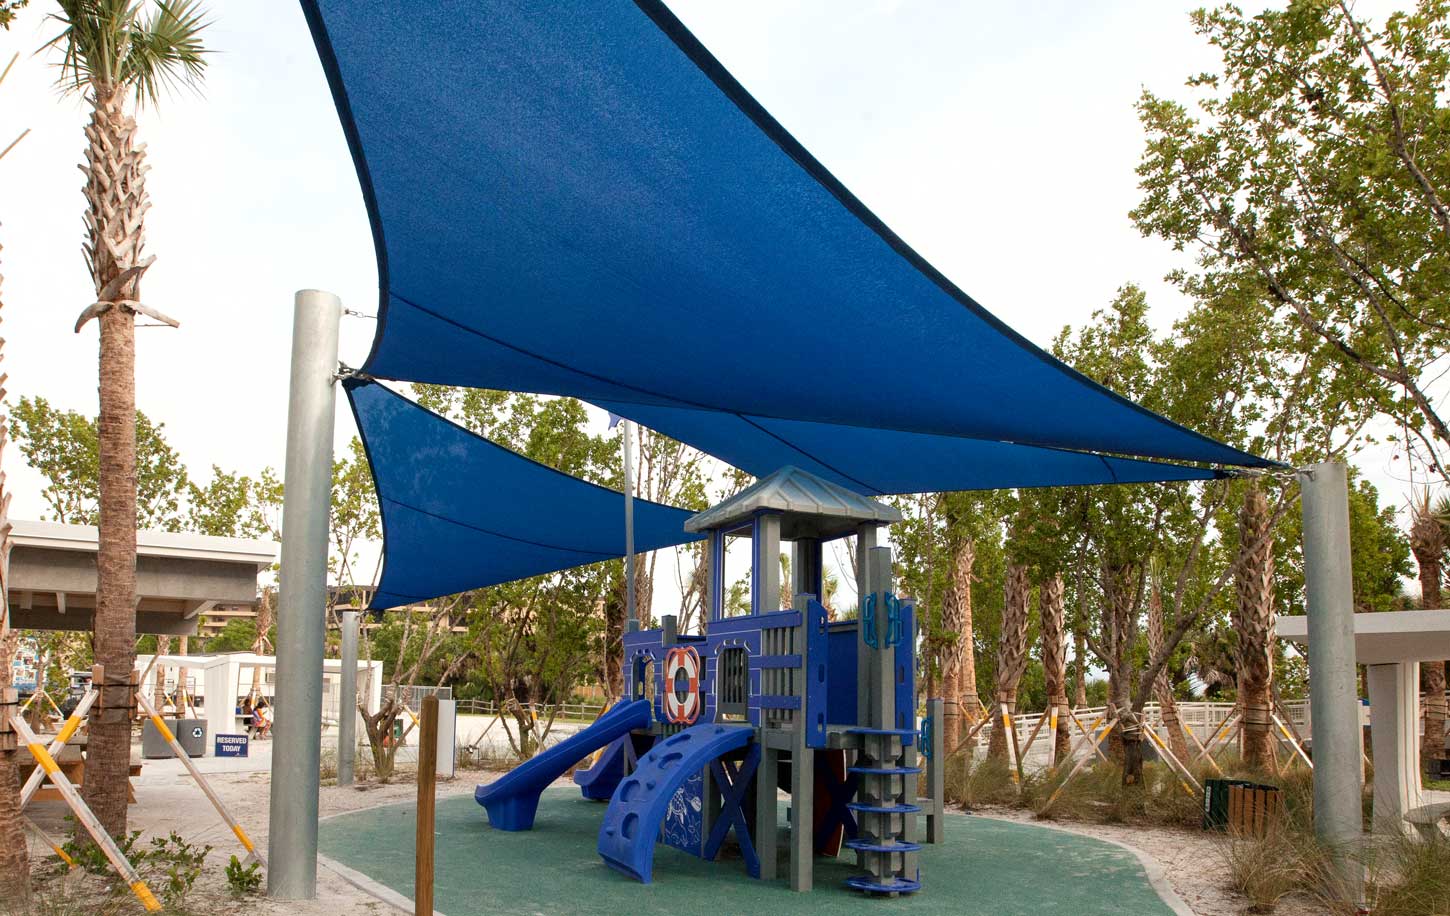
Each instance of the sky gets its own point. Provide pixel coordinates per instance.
(997, 139)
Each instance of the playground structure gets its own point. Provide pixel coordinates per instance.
(777, 698)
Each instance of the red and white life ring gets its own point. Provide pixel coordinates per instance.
(682, 685)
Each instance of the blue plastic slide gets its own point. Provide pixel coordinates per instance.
(512, 800)
(597, 783)
(632, 823)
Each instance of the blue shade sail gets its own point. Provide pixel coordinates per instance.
(578, 199)
(880, 462)
(460, 512)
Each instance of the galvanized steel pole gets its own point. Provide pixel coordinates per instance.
(347, 700)
(631, 613)
(1333, 691)
(302, 598)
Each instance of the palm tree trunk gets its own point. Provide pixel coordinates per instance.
(1428, 542)
(1254, 621)
(1162, 687)
(959, 666)
(115, 191)
(14, 855)
(1054, 659)
(1011, 651)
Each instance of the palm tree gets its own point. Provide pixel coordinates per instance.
(1054, 658)
(959, 663)
(14, 855)
(1011, 652)
(1428, 543)
(1253, 621)
(115, 52)
(1162, 686)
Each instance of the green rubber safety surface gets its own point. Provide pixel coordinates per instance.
(988, 867)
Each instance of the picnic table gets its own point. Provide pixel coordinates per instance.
(72, 762)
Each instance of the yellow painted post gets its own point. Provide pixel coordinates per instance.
(67, 731)
(1080, 764)
(1091, 729)
(1175, 764)
(1217, 733)
(84, 815)
(1298, 750)
(46, 839)
(186, 761)
(1011, 734)
(1052, 738)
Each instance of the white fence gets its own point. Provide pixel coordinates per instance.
(1202, 718)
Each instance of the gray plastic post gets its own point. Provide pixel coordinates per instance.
(302, 598)
(347, 701)
(936, 826)
(1333, 694)
(802, 772)
(865, 541)
(765, 565)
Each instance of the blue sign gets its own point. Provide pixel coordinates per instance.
(231, 745)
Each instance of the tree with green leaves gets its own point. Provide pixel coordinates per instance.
(1313, 173)
(114, 53)
(64, 446)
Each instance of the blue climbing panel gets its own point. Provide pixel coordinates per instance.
(641, 803)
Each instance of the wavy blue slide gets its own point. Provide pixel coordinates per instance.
(627, 836)
(512, 800)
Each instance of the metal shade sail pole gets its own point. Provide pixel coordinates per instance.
(1333, 692)
(631, 613)
(302, 598)
(347, 700)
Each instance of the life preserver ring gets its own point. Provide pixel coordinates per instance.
(682, 685)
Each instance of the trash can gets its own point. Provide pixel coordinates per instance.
(1215, 802)
(191, 733)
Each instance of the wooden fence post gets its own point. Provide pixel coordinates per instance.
(427, 780)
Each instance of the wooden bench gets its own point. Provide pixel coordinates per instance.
(1426, 818)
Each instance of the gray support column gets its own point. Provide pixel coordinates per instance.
(715, 581)
(882, 709)
(802, 771)
(347, 701)
(936, 827)
(1394, 709)
(767, 827)
(805, 568)
(865, 541)
(765, 562)
(302, 598)
(1333, 696)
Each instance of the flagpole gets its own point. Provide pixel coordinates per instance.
(631, 619)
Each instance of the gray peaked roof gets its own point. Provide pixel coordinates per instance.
(810, 507)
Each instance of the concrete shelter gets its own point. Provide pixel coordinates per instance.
(179, 577)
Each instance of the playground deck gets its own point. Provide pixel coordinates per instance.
(985, 867)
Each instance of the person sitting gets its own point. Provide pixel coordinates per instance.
(262, 719)
(247, 714)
